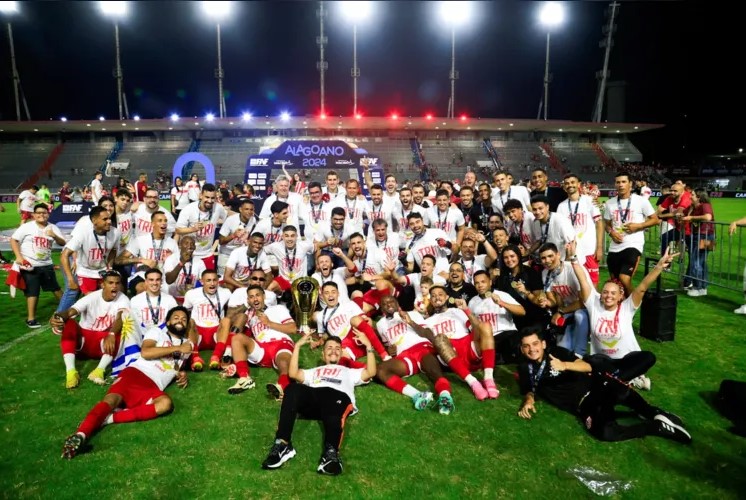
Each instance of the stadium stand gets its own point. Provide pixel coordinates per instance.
(80, 160)
(19, 160)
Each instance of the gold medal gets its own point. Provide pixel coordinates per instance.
(359, 280)
(291, 274)
(451, 300)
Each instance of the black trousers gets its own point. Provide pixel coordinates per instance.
(327, 405)
(627, 368)
(597, 413)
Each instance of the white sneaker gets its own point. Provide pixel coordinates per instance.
(702, 292)
(693, 292)
(642, 383)
(741, 310)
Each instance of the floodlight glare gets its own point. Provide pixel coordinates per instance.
(209, 117)
(63, 119)
(455, 13)
(322, 116)
(356, 11)
(284, 116)
(429, 116)
(113, 9)
(174, 117)
(8, 7)
(101, 118)
(463, 118)
(216, 10)
(552, 14)
(137, 118)
(246, 117)
(358, 116)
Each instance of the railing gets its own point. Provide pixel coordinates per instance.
(113, 155)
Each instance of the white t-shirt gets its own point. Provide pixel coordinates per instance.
(148, 248)
(163, 370)
(406, 234)
(293, 263)
(646, 192)
(28, 200)
(336, 320)
(558, 231)
(231, 224)
(499, 318)
(337, 276)
(143, 224)
(181, 195)
(413, 279)
(193, 190)
(564, 283)
(448, 221)
(394, 331)
(583, 215)
(188, 275)
(96, 191)
(390, 246)
(36, 246)
(145, 314)
(261, 332)
(383, 211)
(477, 263)
(372, 263)
(205, 308)
(522, 229)
(126, 229)
(453, 323)
(337, 377)
(314, 217)
(97, 314)
(427, 244)
(519, 193)
(611, 331)
(242, 267)
(191, 215)
(271, 233)
(294, 201)
(326, 232)
(92, 251)
(240, 296)
(333, 196)
(634, 209)
(355, 211)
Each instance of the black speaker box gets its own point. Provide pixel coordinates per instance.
(658, 316)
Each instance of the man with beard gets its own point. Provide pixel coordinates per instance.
(244, 260)
(282, 193)
(326, 272)
(426, 242)
(540, 187)
(468, 258)
(143, 214)
(316, 213)
(457, 287)
(181, 271)
(139, 388)
(378, 208)
(334, 234)
(151, 250)
(200, 220)
(402, 215)
(236, 231)
(418, 196)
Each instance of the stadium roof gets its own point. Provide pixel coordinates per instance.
(330, 122)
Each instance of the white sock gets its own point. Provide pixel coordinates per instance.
(488, 374)
(410, 391)
(109, 420)
(105, 361)
(69, 360)
(471, 379)
(444, 393)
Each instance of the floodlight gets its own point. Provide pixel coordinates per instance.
(113, 9)
(174, 117)
(246, 117)
(137, 118)
(63, 119)
(101, 118)
(284, 116)
(429, 116)
(552, 14)
(455, 13)
(322, 116)
(358, 116)
(209, 117)
(356, 11)
(217, 10)
(463, 118)
(8, 7)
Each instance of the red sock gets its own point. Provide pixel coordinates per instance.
(442, 384)
(283, 381)
(396, 384)
(488, 358)
(242, 368)
(94, 419)
(136, 414)
(69, 339)
(219, 350)
(459, 367)
(374, 340)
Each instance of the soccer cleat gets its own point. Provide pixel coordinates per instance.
(72, 379)
(642, 383)
(422, 400)
(740, 310)
(243, 384)
(280, 453)
(275, 391)
(446, 404)
(479, 392)
(330, 463)
(97, 376)
(198, 364)
(670, 416)
(668, 429)
(32, 323)
(73, 445)
(214, 363)
(492, 391)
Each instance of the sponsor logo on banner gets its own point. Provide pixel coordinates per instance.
(259, 162)
(314, 150)
(740, 195)
(344, 162)
(73, 208)
(286, 163)
(716, 194)
(371, 162)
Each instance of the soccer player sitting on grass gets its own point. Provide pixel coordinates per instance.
(210, 325)
(140, 386)
(325, 393)
(98, 333)
(266, 343)
(572, 385)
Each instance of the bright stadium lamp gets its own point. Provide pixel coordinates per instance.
(136, 118)
(455, 14)
(246, 117)
(101, 118)
(355, 12)
(117, 10)
(210, 117)
(285, 116)
(218, 11)
(8, 9)
(63, 119)
(174, 117)
(551, 15)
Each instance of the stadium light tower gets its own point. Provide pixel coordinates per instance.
(551, 15)
(355, 12)
(117, 11)
(8, 9)
(218, 11)
(455, 14)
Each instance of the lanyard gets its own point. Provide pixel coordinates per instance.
(545, 229)
(405, 218)
(551, 275)
(325, 320)
(316, 215)
(248, 233)
(377, 210)
(469, 271)
(177, 361)
(102, 249)
(217, 308)
(365, 261)
(351, 212)
(275, 236)
(155, 314)
(573, 216)
(290, 262)
(208, 219)
(536, 379)
(414, 240)
(500, 197)
(385, 242)
(623, 215)
(248, 260)
(445, 218)
(187, 272)
(158, 251)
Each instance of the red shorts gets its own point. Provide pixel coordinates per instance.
(25, 216)
(591, 265)
(90, 342)
(352, 347)
(283, 283)
(265, 353)
(89, 285)
(412, 356)
(466, 350)
(208, 336)
(209, 262)
(135, 387)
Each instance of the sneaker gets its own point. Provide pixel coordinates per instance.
(32, 323)
(670, 416)
(669, 430)
(479, 392)
(97, 376)
(243, 384)
(275, 391)
(422, 400)
(214, 363)
(641, 383)
(198, 364)
(492, 391)
(694, 292)
(72, 379)
(688, 286)
(740, 310)
(446, 404)
(73, 445)
(702, 292)
(330, 463)
(280, 453)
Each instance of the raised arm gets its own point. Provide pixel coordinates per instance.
(639, 292)
(585, 287)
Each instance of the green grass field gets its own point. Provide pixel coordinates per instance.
(213, 443)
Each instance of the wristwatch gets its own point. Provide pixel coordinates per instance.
(573, 259)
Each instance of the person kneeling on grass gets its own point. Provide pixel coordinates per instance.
(140, 386)
(571, 384)
(325, 393)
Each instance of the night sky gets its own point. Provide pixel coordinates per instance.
(670, 54)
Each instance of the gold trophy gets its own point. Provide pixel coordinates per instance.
(305, 292)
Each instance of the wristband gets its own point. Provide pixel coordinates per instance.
(370, 350)
(467, 311)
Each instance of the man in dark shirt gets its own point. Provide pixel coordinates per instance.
(575, 386)
(457, 287)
